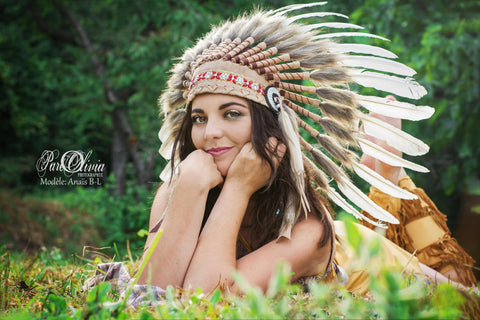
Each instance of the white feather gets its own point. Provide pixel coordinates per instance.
(394, 137)
(164, 132)
(380, 64)
(405, 87)
(342, 203)
(383, 155)
(381, 183)
(348, 34)
(335, 25)
(166, 150)
(395, 109)
(166, 173)
(364, 49)
(288, 125)
(292, 7)
(316, 15)
(360, 199)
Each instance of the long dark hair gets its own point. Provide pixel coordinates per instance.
(267, 205)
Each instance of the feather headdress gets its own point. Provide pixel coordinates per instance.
(303, 74)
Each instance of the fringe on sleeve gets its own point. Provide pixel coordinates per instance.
(423, 229)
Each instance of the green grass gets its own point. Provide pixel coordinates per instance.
(48, 285)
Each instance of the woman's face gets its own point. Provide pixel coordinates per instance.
(221, 125)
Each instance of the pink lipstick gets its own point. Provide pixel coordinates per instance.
(218, 151)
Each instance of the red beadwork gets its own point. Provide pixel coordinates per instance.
(231, 78)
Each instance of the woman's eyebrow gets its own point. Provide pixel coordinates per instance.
(228, 104)
(197, 110)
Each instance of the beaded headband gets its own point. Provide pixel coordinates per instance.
(299, 72)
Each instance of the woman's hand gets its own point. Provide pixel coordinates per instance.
(394, 174)
(199, 168)
(251, 172)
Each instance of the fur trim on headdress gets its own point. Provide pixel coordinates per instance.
(311, 72)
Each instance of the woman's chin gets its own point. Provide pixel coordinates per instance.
(223, 168)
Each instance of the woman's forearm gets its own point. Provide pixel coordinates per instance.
(215, 256)
(180, 228)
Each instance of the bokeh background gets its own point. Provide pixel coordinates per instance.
(86, 75)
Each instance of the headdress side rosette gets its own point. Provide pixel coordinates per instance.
(311, 72)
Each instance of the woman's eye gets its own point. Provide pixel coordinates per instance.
(198, 119)
(232, 114)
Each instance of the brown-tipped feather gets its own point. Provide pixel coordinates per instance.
(337, 95)
(254, 50)
(317, 175)
(331, 75)
(320, 60)
(270, 61)
(327, 164)
(336, 130)
(294, 87)
(302, 111)
(279, 67)
(338, 111)
(259, 56)
(309, 50)
(288, 76)
(328, 143)
(248, 42)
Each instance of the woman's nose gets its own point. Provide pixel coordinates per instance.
(213, 129)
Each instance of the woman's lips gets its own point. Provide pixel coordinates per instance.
(218, 151)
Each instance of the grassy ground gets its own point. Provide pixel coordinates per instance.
(48, 285)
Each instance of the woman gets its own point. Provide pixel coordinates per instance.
(233, 149)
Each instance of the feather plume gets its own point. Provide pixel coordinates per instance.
(331, 75)
(310, 49)
(395, 109)
(289, 127)
(334, 25)
(292, 7)
(348, 34)
(315, 15)
(317, 175)
(380, 64)
(363, 201)
(364, 49)
(345, 156)
(337, 111)
(405, 87)
(337, 130)
(381, 183)
(337, 95)
(393, 136)
(320, 60)
(328, 165)
(342, 203)
(383, 155)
